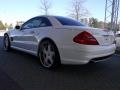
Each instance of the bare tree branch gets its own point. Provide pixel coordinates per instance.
(45, 6)
(77, 10)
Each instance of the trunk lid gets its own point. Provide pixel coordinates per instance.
(104, 37)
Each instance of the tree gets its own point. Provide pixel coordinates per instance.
(45, 6)
(93, 22)
(84, 21)
(101, 24)
(6, 25)
(2, 27)
(19, 23)
(10, 26)
(77, 10)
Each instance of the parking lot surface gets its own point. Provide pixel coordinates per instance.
(21, 71)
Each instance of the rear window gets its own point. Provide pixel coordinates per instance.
(68, 21)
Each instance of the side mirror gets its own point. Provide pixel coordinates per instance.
(17, 27)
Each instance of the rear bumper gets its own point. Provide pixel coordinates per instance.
(85, 54)
(101, 58)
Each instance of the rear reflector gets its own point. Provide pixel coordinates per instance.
(85, 38)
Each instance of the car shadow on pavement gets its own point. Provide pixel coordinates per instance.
(67, 68)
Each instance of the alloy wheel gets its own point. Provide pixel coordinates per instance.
(47, 54)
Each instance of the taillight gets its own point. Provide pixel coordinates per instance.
(85, 38)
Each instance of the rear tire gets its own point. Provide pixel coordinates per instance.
(6, 43)
(49, 55)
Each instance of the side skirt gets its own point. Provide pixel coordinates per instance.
(25, 50)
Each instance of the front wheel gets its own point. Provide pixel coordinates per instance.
(6, 43)
(49, 55)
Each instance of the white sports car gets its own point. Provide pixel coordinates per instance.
(60, 40)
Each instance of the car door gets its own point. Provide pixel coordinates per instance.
(16, 39)
(24, 38)
(38, 25)
(28, 38)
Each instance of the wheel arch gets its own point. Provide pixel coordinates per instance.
(9, 45)
(47, 38)
(6, 34)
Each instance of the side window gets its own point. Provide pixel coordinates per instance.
(40, 22)
(27, 25)
(36, 23)
(45, 22)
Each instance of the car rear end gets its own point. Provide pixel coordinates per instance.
(82, 44)
(95, 44)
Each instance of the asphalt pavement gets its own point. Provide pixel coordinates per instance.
(21, 71)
